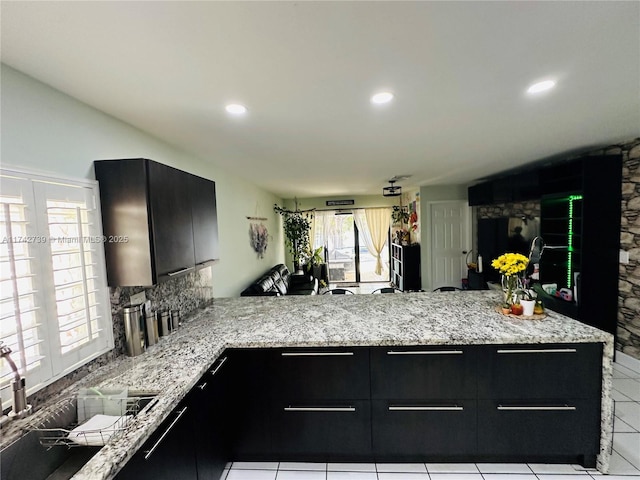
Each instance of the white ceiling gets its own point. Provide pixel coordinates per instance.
(306, 70)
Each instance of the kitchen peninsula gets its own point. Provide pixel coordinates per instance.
(487, 351)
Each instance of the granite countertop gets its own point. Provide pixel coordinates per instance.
(173, 366)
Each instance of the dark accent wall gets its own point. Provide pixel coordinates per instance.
(628, 331)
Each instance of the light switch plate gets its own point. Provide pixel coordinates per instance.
(624, 257)
(138, 298)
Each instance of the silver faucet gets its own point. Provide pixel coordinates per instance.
(18, 385)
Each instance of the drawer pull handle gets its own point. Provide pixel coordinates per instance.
(541, 350)
(425, 408)
(319, 409)
(215, 370)
(178, 272)
(203, 386)
(538, 408)
(149, 452)
(425, 352)
(317, 354)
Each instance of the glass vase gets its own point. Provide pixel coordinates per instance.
(510, 286)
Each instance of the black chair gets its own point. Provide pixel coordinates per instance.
(446, 289)
(338, 291)
(387, 290)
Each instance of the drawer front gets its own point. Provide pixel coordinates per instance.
(540, 371)
(321, 373)
(322, 431)
(560, 427)
(423, 372)
(405, 430)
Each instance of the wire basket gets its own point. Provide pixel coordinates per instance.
(89, 420)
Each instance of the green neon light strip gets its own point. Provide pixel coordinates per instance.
(572, 198)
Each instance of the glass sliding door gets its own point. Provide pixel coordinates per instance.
(346, 254)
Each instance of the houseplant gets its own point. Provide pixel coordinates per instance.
(400, 217)
(297, 225)
(315, 260)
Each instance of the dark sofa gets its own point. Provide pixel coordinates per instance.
(279, 281)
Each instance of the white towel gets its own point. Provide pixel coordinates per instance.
(98, 429)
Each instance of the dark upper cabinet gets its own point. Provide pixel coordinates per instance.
(171, 222)
(205, 219)
(510, 188)
(159, 222)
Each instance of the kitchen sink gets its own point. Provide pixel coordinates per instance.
(45, 452)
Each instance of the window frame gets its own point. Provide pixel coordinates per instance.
(57, 363)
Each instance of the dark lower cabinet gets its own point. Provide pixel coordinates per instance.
(505, 403)
(321, 373)
(249, 436)
(407, 431)
(212, 426)
(170, 452)
(526, 431)
(425, 372)
(322, 431)
(540, 371)
(191, 444)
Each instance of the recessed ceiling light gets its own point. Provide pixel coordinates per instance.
(382, 97)
(541, 86)
(236, 109)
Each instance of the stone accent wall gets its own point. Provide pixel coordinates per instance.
(628, 340)
(529, 209)
(186, 293)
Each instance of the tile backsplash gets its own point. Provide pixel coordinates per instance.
(187, 293)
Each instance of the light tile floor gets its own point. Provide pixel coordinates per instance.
(625, 461)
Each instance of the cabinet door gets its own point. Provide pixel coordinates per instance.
(169, 453)
(540, 371)
(409, 430)
(536, 429)
(248, 410)
(170, 220)
(205, 219)
(322, 430)
(426, 372)
(321, 374)
(211, 426)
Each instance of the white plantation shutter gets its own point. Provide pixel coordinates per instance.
(22, 325)
(55, 306)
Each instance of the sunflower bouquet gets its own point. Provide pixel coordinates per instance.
(511, 266)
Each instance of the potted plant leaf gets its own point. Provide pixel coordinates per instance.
(315, 263)
(297, 225)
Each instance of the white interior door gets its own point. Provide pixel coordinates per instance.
(449, 239)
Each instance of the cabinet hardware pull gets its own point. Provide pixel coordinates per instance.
(317, 354)
(149, 452)
(319, 409)
(203, 386)
(215, 370)
(178, 272)
(425, 352)
(540, 350)
(539, 407)
(425, 408)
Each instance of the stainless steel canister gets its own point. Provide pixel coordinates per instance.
(151, 327)
(165, 324)
(175, 319)
(134, 330)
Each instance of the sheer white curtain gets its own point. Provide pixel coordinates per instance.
(373, 225)
(321, 228)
